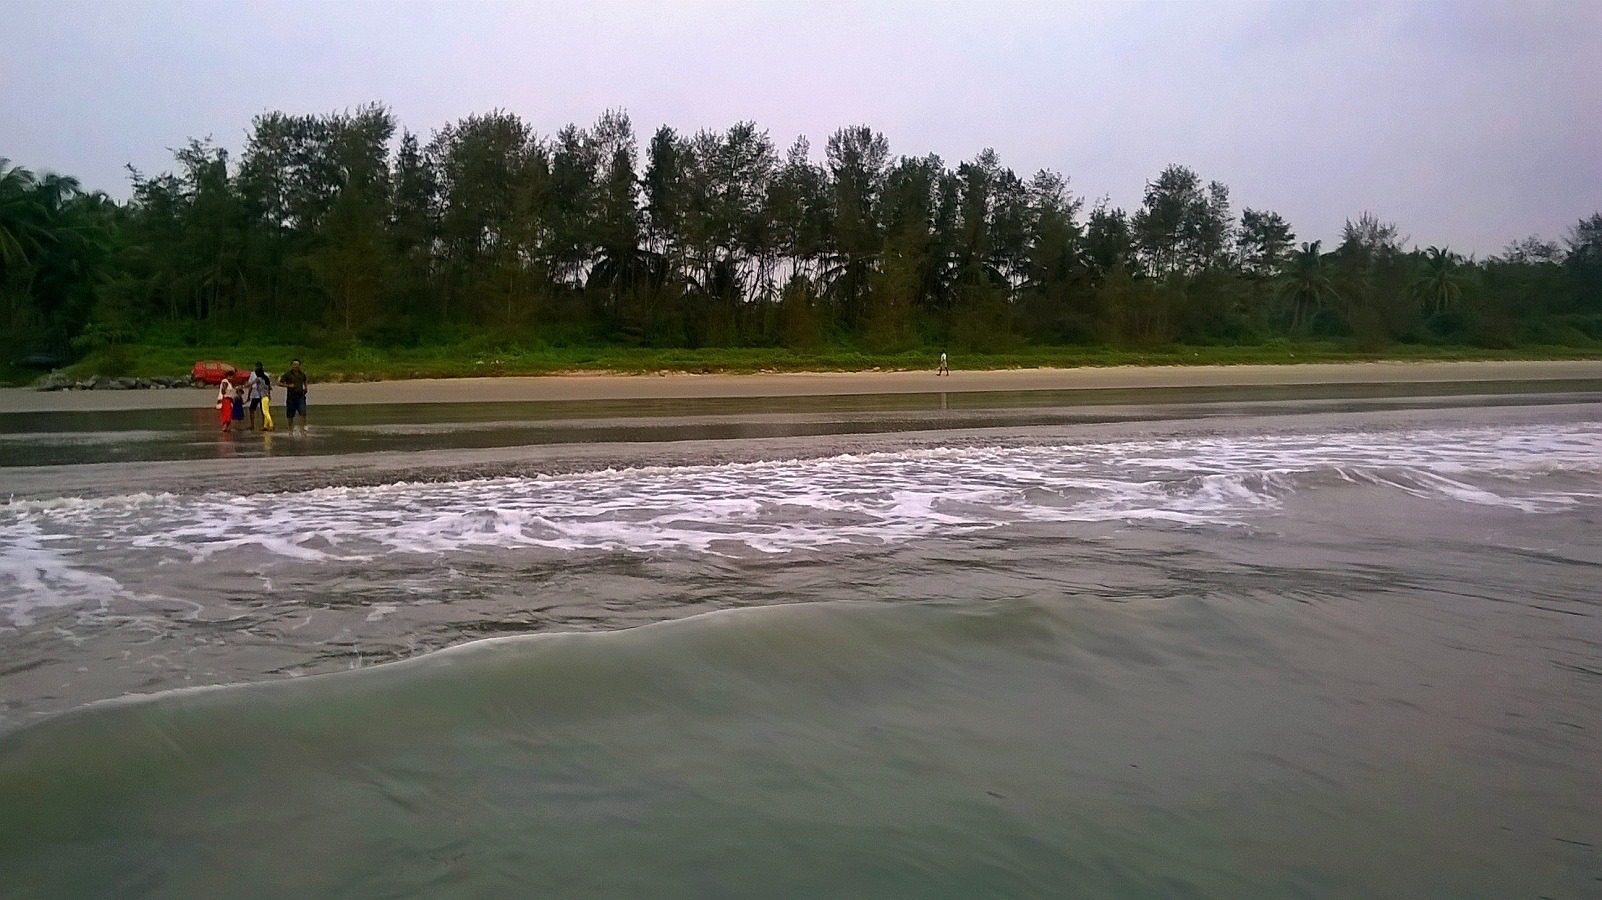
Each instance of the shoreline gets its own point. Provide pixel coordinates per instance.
(1155, 421)
(664, 386)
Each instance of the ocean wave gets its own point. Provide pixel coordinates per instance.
(48, 549)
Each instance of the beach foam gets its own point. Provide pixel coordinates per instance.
(50, 551)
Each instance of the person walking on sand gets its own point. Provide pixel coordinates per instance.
(294, 382)
(944, 368)
(225, 404)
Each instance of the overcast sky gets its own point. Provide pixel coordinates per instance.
(1467, 124)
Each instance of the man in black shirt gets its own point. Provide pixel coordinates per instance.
(294, 382)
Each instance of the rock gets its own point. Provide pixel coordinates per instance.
(82, 385)
(121, 384)
(55, 381)
(141, 383)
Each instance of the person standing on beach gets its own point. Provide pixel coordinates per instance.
(225, 404)
(294, 382)
(266, 398)
(944, 369)
(260, 389)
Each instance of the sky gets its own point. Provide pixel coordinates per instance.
(1468, 124)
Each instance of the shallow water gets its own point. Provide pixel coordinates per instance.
(68, 438)
(1257, 661)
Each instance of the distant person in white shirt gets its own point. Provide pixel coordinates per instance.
(944, 368)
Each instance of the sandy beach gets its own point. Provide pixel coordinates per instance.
(683, 386)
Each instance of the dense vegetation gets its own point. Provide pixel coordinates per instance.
(329, 231)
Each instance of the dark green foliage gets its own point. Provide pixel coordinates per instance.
(330, 230)
(1263, 243)
(57, 249)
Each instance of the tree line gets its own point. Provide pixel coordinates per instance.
(343, 226)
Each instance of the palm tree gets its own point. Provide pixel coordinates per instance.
(24, 235)
(1439, 284)
(1307, 284)
(626, 275)
(22, 217)
(55, 240)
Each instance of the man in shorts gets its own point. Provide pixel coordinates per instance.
(294, 382)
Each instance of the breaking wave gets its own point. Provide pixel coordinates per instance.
(49, 549)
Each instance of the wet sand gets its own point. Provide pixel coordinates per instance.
(454, 463)
(681, 386)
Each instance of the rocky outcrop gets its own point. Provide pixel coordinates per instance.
(59, 381)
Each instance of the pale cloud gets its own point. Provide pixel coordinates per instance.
(1468, 124)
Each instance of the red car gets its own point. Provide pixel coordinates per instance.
(211, 371)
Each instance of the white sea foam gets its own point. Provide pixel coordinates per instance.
(34, 575)
(785, 506)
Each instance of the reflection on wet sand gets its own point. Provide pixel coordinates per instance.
(56, 438)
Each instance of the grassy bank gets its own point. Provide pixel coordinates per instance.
(356, 362)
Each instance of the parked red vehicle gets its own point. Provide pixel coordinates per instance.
(212, 371)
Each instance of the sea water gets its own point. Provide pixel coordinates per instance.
(1257, 661)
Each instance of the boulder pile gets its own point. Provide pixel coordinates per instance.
(59, 381)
